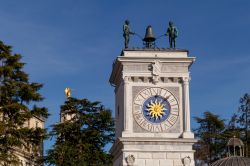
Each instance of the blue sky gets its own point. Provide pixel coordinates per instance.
(72, 43)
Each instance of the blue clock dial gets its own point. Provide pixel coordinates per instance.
(156, 109)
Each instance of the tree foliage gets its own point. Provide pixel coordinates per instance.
(213, 133)
(81, 139)
(16, 96)
(243, 120)
(211, 142)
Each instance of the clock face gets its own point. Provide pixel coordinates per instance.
(155, 109)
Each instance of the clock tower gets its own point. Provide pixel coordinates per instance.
(152, 112)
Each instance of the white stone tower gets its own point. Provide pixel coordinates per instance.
(152, 111)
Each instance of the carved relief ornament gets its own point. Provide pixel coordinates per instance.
(156, 70)
(130, 159)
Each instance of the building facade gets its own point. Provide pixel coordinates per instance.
(27, 154)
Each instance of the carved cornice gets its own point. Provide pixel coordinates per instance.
(144, 66)
(135, 79)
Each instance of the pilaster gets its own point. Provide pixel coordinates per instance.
(187, 129)
(125, 82)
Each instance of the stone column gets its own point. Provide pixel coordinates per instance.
(125, 103)
(187, 131)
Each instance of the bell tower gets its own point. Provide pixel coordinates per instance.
(152, 112)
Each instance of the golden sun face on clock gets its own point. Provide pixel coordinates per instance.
(156, 109)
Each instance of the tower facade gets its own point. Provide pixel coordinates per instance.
(152, 112)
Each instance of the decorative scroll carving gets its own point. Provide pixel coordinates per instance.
(186, 80)
(130, 159)
(186, 161)
(126, 79)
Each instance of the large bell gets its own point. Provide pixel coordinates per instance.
(149, 39)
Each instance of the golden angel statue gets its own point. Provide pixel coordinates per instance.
(67, 92)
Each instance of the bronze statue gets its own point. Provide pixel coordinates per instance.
(126, 33)
(172, 33)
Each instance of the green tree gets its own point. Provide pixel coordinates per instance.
(232, 128)
(81, 139)
(210, 136)
(244, 120)
(17, 105)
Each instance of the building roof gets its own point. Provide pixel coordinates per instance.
(235, 142)
(232, 161)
